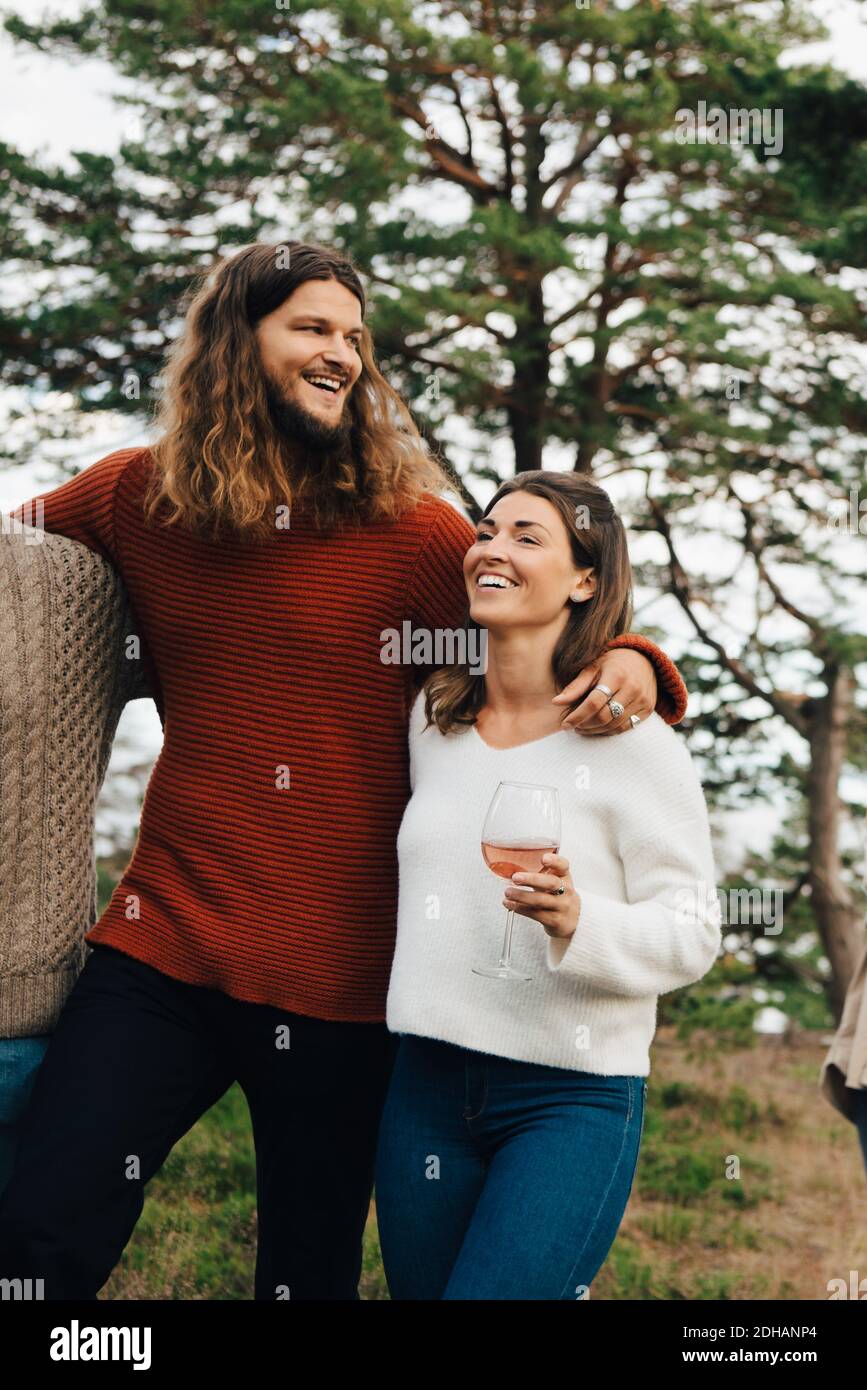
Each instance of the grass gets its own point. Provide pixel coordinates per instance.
(749, 1186)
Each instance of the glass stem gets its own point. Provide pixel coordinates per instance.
(506, 956)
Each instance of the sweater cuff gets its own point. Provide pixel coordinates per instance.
(672, 695)
(585, 953)
(634, 949)
(566, 954)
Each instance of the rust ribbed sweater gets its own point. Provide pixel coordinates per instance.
(268, 661)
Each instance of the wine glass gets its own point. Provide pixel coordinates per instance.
(522, 824)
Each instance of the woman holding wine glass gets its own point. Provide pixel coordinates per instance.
(512, 1126)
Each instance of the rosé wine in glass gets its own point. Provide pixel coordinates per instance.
(522, 824)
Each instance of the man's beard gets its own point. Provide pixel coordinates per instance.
(317, 455)
(301, 427)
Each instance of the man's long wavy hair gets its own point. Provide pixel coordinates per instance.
(454, 694)
(221, 467)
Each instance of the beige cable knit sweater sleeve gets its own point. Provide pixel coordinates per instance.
(64, 679)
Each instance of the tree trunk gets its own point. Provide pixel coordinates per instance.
(838, 920)
(527, 411)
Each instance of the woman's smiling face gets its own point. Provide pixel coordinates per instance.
(520, 571)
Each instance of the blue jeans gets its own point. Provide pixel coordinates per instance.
(20, 1059)
(861, 1119)
(136, 1059)
(498, 1179)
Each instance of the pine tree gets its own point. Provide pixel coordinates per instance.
(628, 234)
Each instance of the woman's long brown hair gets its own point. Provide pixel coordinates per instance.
(454, 694)
(221, 467)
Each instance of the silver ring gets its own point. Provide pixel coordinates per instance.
(617, 710)
(606, 690)
(634, 720)
(561, 889)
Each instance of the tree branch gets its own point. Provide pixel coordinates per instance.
(573, 172)
(680, 588)
(821, 645)
(451, 162)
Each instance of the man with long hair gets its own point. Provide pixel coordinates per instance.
(287, 515)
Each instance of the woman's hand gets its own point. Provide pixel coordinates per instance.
(557, 912)
(631, 678)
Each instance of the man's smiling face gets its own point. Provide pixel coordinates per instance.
(309, 348)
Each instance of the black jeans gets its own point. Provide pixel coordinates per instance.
(136, 1059)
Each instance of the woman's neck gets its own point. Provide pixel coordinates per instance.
(519, 681)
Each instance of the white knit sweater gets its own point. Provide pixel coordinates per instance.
(635, 831)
